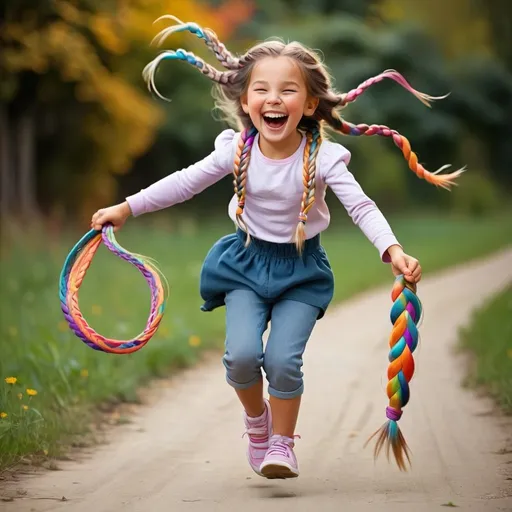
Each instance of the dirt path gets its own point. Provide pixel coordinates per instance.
(186, 453)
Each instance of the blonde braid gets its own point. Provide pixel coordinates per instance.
(314, 140)
(242, 158)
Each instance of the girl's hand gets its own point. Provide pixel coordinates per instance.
(116, 215)
(402, 263)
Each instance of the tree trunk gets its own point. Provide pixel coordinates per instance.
(7, 183)
(26, 165)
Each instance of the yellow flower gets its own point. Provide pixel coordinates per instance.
(45, 452)
(11, 380)
(84, 373)
(25, 407)
(194, 341)
(31, 392)
(3, 415)
(20, 395)
(96, 310)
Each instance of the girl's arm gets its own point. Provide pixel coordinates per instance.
(363, 211)
(183, 185)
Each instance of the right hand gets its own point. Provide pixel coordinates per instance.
(116, 215)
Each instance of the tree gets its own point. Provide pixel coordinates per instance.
(73, 111)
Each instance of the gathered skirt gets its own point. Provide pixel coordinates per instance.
(274, 271)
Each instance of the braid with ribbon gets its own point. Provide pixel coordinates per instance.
(221, 77)
(337, 123)
(434, 178)
(313, 142)
(223, 55)
(241, 164)
(405, 315)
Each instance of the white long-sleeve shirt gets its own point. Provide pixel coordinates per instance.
(274, 191)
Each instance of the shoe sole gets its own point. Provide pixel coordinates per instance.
(281, 470)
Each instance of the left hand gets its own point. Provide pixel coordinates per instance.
(402, 263)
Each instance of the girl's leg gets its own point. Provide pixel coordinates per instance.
(247, 318)
(291, 325)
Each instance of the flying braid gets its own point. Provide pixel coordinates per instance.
(223, 55)
(434, 178)
(221, 77)
(393, 75)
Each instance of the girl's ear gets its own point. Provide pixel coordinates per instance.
(311, 106)
(243, 102)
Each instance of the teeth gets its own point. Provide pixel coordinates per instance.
(275, 116)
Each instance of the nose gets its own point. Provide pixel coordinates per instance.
(273, 98)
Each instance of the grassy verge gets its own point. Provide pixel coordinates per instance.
(37, 348)
(488, 337)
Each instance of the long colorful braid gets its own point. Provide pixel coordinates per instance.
(72, 274)
(405, 315)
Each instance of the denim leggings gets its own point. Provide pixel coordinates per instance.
(247, 318)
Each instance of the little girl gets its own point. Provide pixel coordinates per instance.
(273, 268)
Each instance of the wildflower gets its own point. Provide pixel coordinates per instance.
(194, 341)
(3, 415)
(11, 380)
(84, 372)
(25, 407)
(20, 395)
(31, 392)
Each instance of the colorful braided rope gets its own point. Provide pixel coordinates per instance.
(73, 272)
(405, 315)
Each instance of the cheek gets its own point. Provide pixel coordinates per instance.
(295, 104)
(254, 101)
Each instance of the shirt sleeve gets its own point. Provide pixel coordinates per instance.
(363, 211)
(182, 185)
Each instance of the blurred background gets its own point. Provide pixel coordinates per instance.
(80, 131)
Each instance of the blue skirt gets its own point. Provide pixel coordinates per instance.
(274, 271)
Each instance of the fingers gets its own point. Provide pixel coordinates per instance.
(415, 271)
(97, 220)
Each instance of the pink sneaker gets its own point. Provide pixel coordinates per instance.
(259, 431)
(280, 461)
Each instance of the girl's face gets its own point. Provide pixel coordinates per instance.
(276, 100)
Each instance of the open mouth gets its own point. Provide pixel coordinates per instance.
(275, 121)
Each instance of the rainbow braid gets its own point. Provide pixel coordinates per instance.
(405, 315)
(444, 181)
(150, 69)
(72, 275)
(223, 55)
(393, 75)
(241, 164)
(313, 142)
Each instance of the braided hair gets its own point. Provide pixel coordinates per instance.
(232, 84)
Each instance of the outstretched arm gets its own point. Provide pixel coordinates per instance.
(182, 185)
(365, 213)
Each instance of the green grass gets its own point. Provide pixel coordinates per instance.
(488, 337)
(38, 349)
